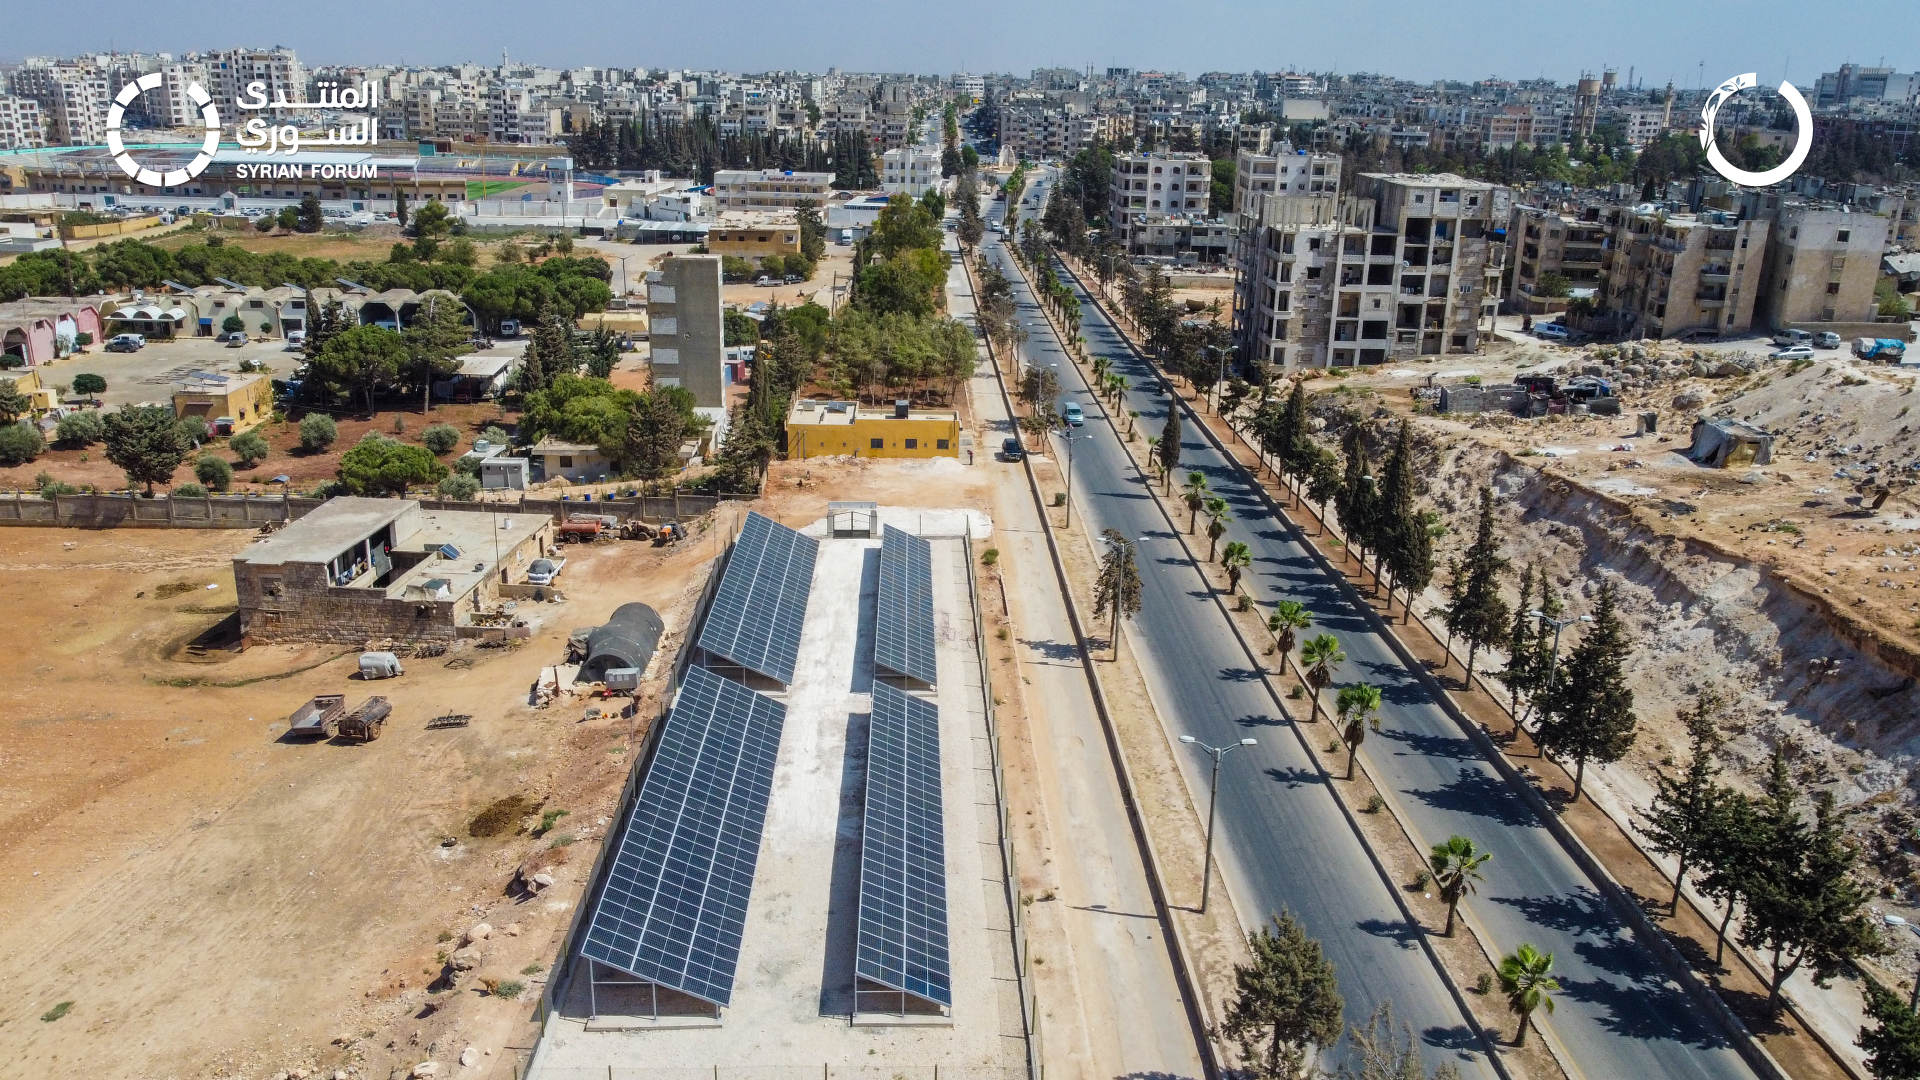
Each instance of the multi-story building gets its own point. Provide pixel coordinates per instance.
(970, 89)
(73, 101)
(1855, 83)
(20, 124)
(687, 328)
(1285, 171)
(233, 70)
(1822, 264)
(769, 189)
(1572, 244)
(1406, 265)
(1147, 189)
(912, 169)
(1670, 274)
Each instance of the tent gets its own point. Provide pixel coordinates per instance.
(627, 640)
(1726, 443)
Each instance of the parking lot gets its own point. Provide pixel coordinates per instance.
(148, 376)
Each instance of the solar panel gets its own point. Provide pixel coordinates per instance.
(903, 628)
(762, 600)
(903, 863)
(675, 900)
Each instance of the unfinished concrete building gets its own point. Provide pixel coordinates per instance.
(1673, 274)
(358, 569)
(1823, 262)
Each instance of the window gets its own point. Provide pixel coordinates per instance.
(1833, 288)
(876, 444)
(940, 444)
(1844, 235)
(913, 444)
(566, 461)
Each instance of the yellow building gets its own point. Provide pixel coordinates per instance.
(27, 382)
(826, 428)
(243, 400)
(755, 235)
(581, 463)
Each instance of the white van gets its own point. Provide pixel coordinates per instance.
(1548, 331)
(1783, 338)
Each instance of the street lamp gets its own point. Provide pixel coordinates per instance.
(1913, 997)
(1213, 796)
(1067, 436)
(1553, 662)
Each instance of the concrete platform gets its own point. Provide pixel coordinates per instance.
(792, 1008)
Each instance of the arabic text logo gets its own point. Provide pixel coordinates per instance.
(209, 115)
(1803, 133)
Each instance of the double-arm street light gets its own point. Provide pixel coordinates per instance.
(1213, 796)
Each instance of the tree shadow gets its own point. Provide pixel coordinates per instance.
(1295, 776)
(1402, 933)
(1481, 795)
(1239, 674)
(1053, 650)
(1435, 746)
(1459, 1037)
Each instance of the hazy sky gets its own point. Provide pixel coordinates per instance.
(1460, 39)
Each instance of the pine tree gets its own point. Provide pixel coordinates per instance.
(1294, 446)
(1406, 532)
(1480, 616)
(1286, 1000)
(1805, 908)
(1356, 500)
(1588, 712)
(1893, 1043)
(1686, 817)
(1729, 860)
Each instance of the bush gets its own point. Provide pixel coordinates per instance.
(495, 434)
(249, 447)
(440, 438)
(467, 466)
(990, 556)
(385, 467)
(79, 429)
(193, 429)
(317, 432)
(213, 472)
(190, 491)
(458, 486)
(20, 443)
(509, 989)
(87, 383)
(232, 323)
(48, 487)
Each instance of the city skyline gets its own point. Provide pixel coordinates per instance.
(1700, 44)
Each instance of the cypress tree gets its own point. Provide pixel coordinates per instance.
(1169, 448)
(1522, 658)
(1588, 712)
(1686, 818)
(1480, 616)
(1356, 498)
(1405, 537)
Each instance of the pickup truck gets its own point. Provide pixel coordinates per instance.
(1889, 350)
(543, 571)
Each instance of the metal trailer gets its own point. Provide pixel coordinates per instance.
(321, 716)
(364, 723)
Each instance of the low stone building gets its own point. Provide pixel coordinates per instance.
(357, 569)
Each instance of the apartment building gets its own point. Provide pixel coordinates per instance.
(1543, 241)
(1406, 265)
(1671, 274)
(912, 169)
(21, 126)
(1149, 190)
(72, 100)
(1284, 171)
(1822, 264)
(970, 89)
(769, 189)
(687, 328)
(230, 73)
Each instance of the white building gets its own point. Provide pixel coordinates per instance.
(914, 170)
(233, 70)
(1285, 171)
(72, 99)
(20, 124)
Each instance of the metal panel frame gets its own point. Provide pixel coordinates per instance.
(756, 615)
(903, 936)
(903, 641)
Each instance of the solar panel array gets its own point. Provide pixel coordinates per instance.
(903, 628)
(675, 901)
(755, 617)
(903, 863)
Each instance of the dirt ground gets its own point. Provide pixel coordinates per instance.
(215, 901)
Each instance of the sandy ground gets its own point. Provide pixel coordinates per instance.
(215, 901)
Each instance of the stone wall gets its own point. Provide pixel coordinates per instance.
(253, 511)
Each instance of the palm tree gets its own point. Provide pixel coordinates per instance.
(1216, 523)
(1289, 617)
(1132, 415)
(1456, 867)
(1359, 708)
(1196, 491)
(1234, 560)
(1524, 979)
(1318, 657)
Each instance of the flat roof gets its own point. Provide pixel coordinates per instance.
(824, 413)
(326, 531)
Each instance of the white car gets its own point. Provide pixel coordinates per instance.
(296, 340)
(543, 571)
(1792, 352)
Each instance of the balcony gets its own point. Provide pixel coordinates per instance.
(1716, 275)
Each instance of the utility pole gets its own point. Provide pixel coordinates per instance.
(1553, 661)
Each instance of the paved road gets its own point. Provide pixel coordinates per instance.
(1125, 1016)
(1619, 1014)
(1283, 842)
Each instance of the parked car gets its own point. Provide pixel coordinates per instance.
(1792, 352)
(791, 279)
(763, 280)
(1826, 339)
(509, 327)
(1072, 415)
(380, 665)
(1547, 331)
(1784, 338)
(236, 339)
(543, 571)
(296, 340)
(1012, 450)
(126, 343)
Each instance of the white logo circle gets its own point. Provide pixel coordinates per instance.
(208, 115)
(1803, 133)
